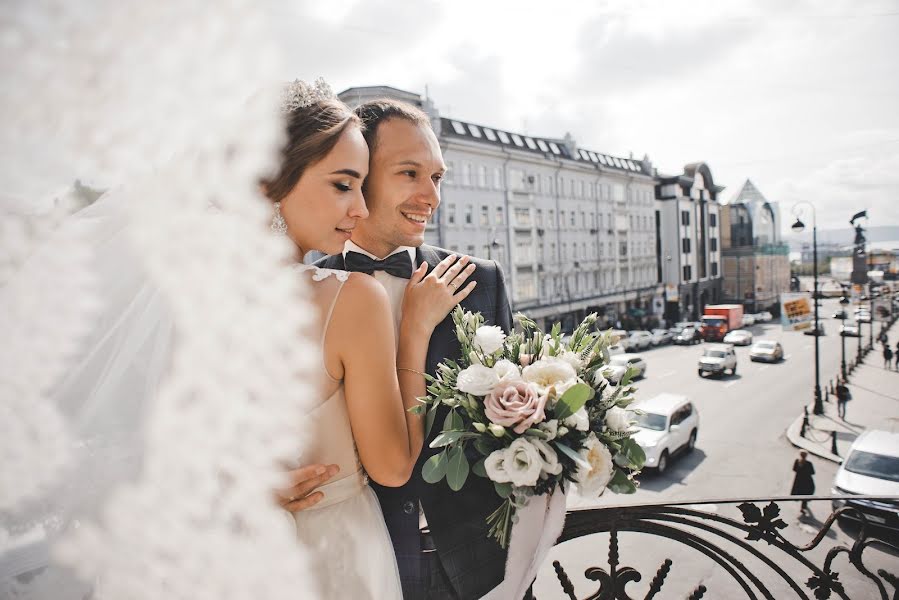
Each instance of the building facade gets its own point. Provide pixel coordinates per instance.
(756, 259)
(688, 236)
(574, 230)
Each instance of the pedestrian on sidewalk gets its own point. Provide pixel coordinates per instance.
(843, 396)
(803, 481)
(887, 357)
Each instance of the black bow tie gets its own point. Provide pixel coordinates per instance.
(398, 265)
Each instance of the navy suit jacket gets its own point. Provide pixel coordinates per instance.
(474, 563)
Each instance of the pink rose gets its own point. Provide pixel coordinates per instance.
(515, 404)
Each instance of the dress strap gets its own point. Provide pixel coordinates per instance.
(331, 308)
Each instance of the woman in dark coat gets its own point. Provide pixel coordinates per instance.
(803, 482)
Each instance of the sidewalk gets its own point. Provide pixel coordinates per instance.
(874, 405)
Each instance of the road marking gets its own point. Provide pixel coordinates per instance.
(727, 385)
(668, 374)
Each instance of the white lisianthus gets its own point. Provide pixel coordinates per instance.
(523, 463)
(593, 480)
(617, 419)
(495, 466)
(507, 371)
(573, 359)
(477, 380)
(497, 430)
(551, 464)
(580, 420)
(550, 372)
(489, 338)
(474, 358)
(551, 428)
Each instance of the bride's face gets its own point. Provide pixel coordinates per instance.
(324, 206)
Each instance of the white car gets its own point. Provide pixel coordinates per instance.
(716, 359)
(668, 424)
(738, 337)
(863, 317)
(640, 340)
(748, 320)
(766, 350)
(661, 337)
(620, 363)
(871, 468)
(623, 339)
(615, 349)
(766, 316)
(849, 331)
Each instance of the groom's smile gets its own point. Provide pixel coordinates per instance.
(403, 187)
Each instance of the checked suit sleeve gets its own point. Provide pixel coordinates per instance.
(503, 308)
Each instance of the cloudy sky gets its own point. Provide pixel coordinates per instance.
(800, 96)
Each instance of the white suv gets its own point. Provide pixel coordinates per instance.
(669, 423)
(717, 358)
(871, 469)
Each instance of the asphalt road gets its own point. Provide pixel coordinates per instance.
(741, 452)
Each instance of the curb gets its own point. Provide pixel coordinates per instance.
(806, 444)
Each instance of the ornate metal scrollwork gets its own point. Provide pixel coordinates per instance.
(727, 542)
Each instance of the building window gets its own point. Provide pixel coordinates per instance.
(561, 219)
(622, 248)
(523, 216)
(485, 216)
(552, 252)
(497, 178)
(551, 222)
(688, 273)
(451, 214)
(469, 214)
(684, 217)
(450, 170)
(713, 244)
(713, 220)
(466, 174)
(500, 216)
(470, 250)
(482, 176)
(539, 217)
(573, 219)
(564, 251)
(685, 244)
(714, 269)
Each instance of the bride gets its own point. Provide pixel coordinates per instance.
(370, 375)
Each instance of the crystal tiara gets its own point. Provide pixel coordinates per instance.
(299, 94)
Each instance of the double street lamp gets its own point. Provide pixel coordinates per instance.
(844, 302)
(799, 227)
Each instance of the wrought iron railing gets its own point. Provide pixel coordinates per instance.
(755, 550)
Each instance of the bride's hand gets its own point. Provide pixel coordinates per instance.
(429, 298)
(304, 481)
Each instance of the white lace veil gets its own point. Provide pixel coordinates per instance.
(153, 373)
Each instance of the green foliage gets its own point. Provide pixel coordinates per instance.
(573, 400)
(621, 483)
(457, 469)
(434, 468)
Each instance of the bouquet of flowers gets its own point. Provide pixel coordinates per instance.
(538, 411)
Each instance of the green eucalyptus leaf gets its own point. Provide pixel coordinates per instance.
(478, 468)
(573, 400)
(429, 421)
(457, 469)
(576, 457)
(434, 468)
(503, 489)
(483, 446)
(445, 438)
(620, 484)
(452, 421)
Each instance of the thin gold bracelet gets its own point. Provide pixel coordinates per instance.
(411, 371)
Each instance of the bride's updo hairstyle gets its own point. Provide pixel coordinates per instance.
(312, 132)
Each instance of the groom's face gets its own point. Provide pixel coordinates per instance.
(402, 190)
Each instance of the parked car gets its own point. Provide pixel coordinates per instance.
(738, 337)
(640, 340)
(840, 314)
(765, 317)
(748, 320)
(849, 331)
(871, 468)
(660, 337)
(688, 336)
(666, 424)
(620, 363)
(623, 339)
(716, 359)
(615, 349)
(863, 317)
(819, 330)
(766, 350)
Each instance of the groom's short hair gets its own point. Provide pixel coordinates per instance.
(375, 112)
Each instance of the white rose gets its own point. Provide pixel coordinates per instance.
(580, 420)
(489, 338)
(550, 427)
(523, 463)
(617, 419)
(495, 466)
(477, 380)
(593, 480)
(551, 464)
(506, 370)
(550, 372)
(573, 359)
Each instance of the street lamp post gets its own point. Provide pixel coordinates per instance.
(799, 227)
(844, 302)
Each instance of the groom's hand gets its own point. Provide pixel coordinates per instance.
(301, 495)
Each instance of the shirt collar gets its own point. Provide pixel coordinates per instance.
(352, 247)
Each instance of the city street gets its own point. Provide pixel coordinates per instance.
(741, 452)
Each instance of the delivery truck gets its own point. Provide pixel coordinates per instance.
(718, 319)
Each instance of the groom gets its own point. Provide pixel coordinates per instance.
(439, 536)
